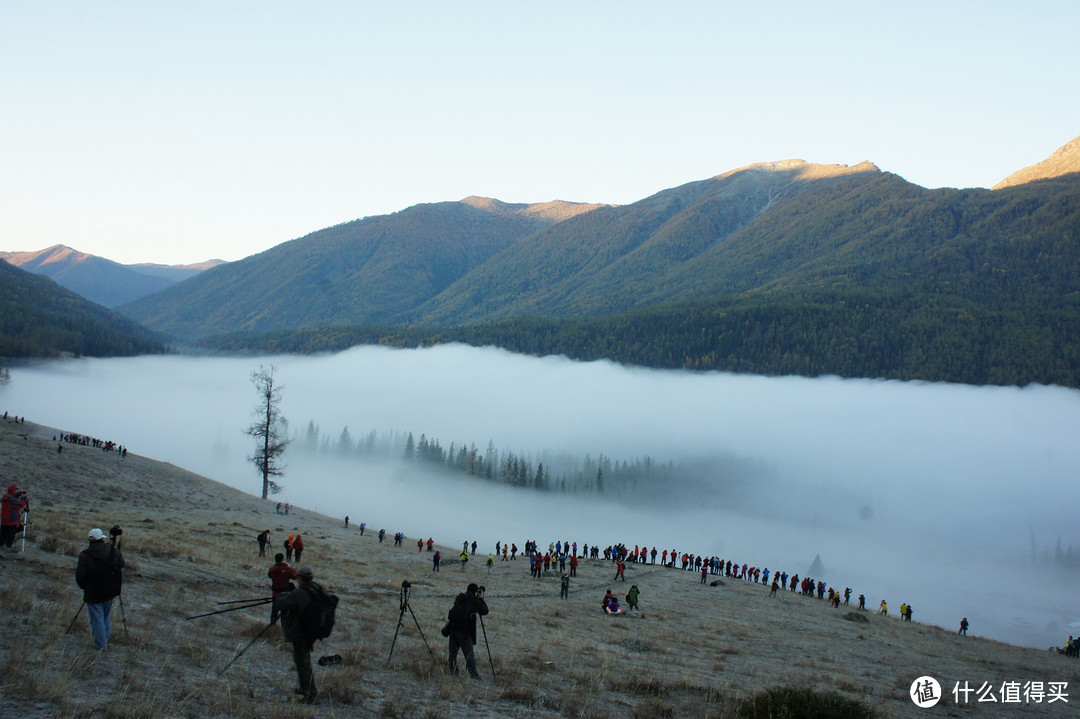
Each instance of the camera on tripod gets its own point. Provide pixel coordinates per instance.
(115, 532)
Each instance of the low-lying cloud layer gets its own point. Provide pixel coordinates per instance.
(951, 498)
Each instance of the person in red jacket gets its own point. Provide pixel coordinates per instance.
(11, 509)
(281, 576)
(297, 548)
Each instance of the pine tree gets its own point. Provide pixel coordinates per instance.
(269, 429)
(345, 443)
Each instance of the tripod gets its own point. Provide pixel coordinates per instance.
(25, 523)
(241, 652)
(486, 644)
(404, 601)
(251, 603)
(68, 630)
(114, 533)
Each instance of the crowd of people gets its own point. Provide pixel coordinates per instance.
(94, 442)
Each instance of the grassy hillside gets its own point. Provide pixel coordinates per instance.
(723, 650)
(38, 318)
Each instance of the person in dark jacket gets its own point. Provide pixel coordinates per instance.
(291, 605)
(98, 575)
(467, 606)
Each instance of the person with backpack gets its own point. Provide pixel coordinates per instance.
(98, 575)
(307, 614)
(461, 627)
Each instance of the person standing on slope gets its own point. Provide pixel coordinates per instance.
(462, 627)
(98, 575)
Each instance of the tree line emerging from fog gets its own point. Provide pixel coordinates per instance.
(845, 332)
(547, 471)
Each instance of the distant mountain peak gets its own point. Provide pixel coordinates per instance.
(803, 170)
(56, 253)
(99, 279)
(1065, 160)
(554, 211)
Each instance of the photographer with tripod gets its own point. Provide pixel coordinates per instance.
(461, 628)
(98, 575)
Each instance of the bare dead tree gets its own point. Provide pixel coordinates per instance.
(268, 429)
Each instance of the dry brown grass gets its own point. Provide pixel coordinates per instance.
(693, 650)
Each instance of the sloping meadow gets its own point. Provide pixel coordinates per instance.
(709, 650)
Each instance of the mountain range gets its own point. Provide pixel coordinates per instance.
(782, 267)
(101, 280)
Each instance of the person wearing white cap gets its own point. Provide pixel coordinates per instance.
(98, 575)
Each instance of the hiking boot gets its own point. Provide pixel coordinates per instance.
(308, 697)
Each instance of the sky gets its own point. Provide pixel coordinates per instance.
(934, 494)
(179, 132)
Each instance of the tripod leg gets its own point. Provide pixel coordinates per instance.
(68, 630)
(488, 646)
(123, 617)
(396, 630)
(417, 621)
(257, 636)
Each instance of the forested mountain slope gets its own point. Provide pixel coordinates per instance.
(38, 318)
(366, 271)
(775, 268)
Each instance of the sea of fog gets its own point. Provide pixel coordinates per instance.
(952, 498)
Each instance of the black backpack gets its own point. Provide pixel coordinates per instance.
(317, 619)
(107, 579)
(459, 615)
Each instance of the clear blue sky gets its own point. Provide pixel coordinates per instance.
(177, 132)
